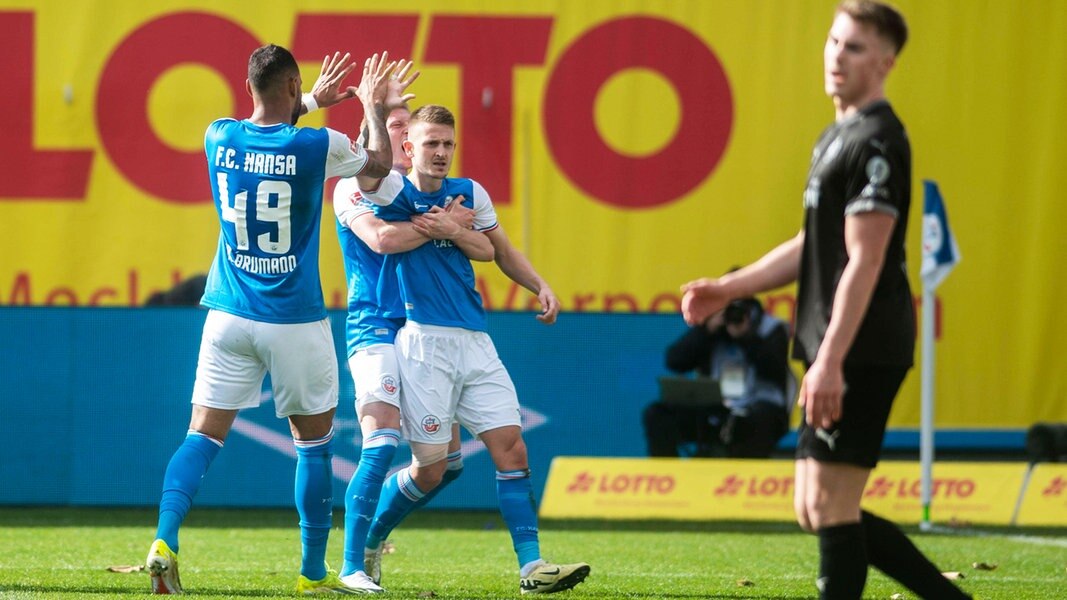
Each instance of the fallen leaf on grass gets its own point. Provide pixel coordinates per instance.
(897, 596)
(984, 566)
(954, 575)
(126, 568)
(427, 594)
(745, 582)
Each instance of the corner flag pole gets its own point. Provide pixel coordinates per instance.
(926, 432)
(940, 254)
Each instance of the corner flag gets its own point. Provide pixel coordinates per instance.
(940, 252)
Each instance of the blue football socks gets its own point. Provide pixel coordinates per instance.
(452, 472)
(399, 496)
(184, 473)
(314, 502)
(515, 495)
(361, 498)
(381, 529)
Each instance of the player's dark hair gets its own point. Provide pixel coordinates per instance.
(269, 66)
(434, 114)
(885, 19)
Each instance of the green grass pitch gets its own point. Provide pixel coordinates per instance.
(66, 552)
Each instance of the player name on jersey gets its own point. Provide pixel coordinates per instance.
(261, 264)
(256, 162)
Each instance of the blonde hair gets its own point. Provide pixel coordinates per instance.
(434, 114)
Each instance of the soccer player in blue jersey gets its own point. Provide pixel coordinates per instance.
(375, 313)
(263, 291)
(448, 365)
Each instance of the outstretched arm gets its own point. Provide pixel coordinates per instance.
(518, 268)
(703, 297)
(372, 92)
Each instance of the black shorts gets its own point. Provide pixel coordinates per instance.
(857, 438)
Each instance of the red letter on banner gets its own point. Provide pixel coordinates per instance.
(29, 173)
(122, 100)
(702, 88)
(363, 35)
(487, 50)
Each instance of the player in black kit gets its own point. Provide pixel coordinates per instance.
(855, 322)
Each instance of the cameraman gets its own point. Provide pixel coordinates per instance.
(746, 350)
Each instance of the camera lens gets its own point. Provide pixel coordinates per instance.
(735, 313)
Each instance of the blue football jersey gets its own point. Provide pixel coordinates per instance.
(267, 185)
(375, 311)
(436, 279)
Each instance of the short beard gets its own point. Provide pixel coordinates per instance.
(296, 111)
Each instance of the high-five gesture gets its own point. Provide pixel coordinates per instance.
(327, 89)
(399, 81)
(381, 90)
(374, 86)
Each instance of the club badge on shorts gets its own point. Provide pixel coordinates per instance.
(431, 424)
(389, 385)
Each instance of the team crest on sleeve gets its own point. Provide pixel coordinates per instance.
(431, 424)
(389, 385)
(355, 198)
(877, 170)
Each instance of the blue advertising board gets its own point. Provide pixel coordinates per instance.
(96, 400)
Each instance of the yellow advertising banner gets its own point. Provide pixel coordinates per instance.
(628, 147)
(962, 494)
(1045, 500)
(663, 488)
(762, 490)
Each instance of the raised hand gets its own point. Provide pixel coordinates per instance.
(374, 85)
(399, 81)
(327, 89)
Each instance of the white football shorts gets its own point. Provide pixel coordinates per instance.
(236, 353)
(376, 375)
(451, 374)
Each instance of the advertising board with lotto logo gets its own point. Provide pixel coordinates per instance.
(697, 489)
(1045, 501)
(762, 490)
(962, 493)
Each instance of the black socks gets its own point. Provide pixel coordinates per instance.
(894, 554)
(842, 562)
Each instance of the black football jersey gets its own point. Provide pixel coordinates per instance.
(860, 164)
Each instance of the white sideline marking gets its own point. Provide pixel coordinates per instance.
(1022, 539)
